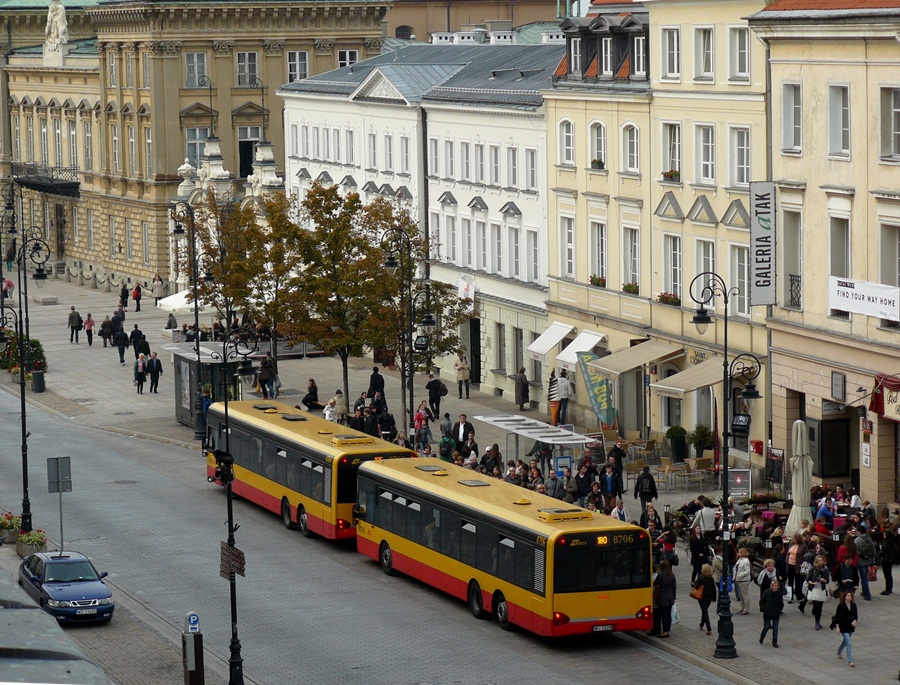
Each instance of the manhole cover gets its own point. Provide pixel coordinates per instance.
(124, 482)
(123, 413)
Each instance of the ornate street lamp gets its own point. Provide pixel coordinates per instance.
(239, 344)
(703, 290)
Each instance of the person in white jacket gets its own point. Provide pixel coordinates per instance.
(706, 519)
(742, 575)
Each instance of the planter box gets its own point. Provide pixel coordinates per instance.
(27, 550)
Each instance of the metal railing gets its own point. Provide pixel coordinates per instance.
(796, 291)
(35, 170)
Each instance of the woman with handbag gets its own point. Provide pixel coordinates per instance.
(742, 574)
(705, 593)
(817, 588)
(664, 590)
(699, 550)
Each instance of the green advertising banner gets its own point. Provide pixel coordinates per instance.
(598, 389)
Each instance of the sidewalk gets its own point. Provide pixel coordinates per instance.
(89, 386)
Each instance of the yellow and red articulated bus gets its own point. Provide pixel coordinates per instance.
(295, 463)
(530, 560)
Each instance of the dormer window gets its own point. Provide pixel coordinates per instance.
(640, 56)
(606, 51)
(575, 55)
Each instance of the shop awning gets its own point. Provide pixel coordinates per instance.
(694, 377)
(586, 341)
(630, 358)
(548, 340)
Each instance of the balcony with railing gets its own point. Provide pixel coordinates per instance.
(42, 178)
(795, 292)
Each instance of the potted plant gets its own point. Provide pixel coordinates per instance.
(10, 525)
(31, 542)
(631, 288)
(672, 175)
(597, 164)
(701, 438)
(599, 281)
(669, 298)
(677, 436)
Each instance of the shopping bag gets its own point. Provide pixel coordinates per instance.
(676, 617)
(790, 594)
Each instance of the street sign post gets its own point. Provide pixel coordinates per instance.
(192, 650)
(59, 480)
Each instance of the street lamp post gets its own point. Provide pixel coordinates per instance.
(703, 290)
(183, 213)
(239, 343)
(396, 241)
(38, 253)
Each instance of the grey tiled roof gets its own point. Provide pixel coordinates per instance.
(501, 75)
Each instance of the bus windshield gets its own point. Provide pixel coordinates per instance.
(592, 563)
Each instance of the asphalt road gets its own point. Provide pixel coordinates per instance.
(309, 611)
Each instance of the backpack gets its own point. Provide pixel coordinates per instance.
(446, 446)
(866, 548)
(80, 322)
(645, 484)
(443, 389)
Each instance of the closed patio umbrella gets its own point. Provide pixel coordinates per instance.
(801, 476)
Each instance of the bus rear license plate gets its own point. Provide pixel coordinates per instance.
(600, 629)
(81, 612)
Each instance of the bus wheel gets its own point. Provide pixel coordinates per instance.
(386, 557)
(286, 515)
(476, 602)
(303, 522)
(501, 611)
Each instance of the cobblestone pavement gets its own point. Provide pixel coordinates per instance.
(91, 387)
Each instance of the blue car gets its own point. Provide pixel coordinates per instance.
(66, 585)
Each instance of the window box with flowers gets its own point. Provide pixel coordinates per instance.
(599, 281)
(597, 164)
(631, 288)
(10, 525)
(31, 542)
(672, 175)
(669, 298)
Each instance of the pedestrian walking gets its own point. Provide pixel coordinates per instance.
(844, 622)
(461, 366)
(522, 389)
(106, 331)
(434, 386)
(772, 605)
(140, 374)
(664, 591)
(707, 590)
(143, 347)
(340, 406)
(155, 369)
(890, 552)
(75, 323)
(158, 287)
(134, 338)
(120, 340)
(742, 574)
(376, 383)
(645, 488)
(123, 297)
(11, 255)
(564, 390)
(136, 296)
(267, 375)
(816, 585)
(89, 329)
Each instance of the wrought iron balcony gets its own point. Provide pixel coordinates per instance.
(47, 179)
(796, 291)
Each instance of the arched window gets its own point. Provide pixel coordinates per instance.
(404, 32)
(631, 151)
(598, 145)
(566, 143)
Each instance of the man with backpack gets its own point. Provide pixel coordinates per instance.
(446, 447)
(76, 323)
(866, 550)
(645, 487)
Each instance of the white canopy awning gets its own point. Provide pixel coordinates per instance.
(547, 340)
(536, 430)
(636, 356)
(586, 341)
(178, 303)
(694, 377)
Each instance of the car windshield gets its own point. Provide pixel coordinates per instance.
(70, 572)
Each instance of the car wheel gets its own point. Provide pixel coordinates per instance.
(286, 514)
(501, 611)
(387, 558)
(476, 601)
(303, 522)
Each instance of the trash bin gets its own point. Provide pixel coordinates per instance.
(37, 381)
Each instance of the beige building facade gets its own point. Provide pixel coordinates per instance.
(99, 126)
(836, 162)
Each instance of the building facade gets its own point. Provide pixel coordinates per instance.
(424, 18)
(99, 125)
(456, 133)
(836, 164)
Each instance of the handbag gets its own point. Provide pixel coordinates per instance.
(676, 617)
(873, 573)
(697, 593)
(674, 560)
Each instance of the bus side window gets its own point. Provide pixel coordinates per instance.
(414, 522)
(507, 562)
(525, 565)
(487, 549)
(469, 542)
(431, 530)
(450, 535)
